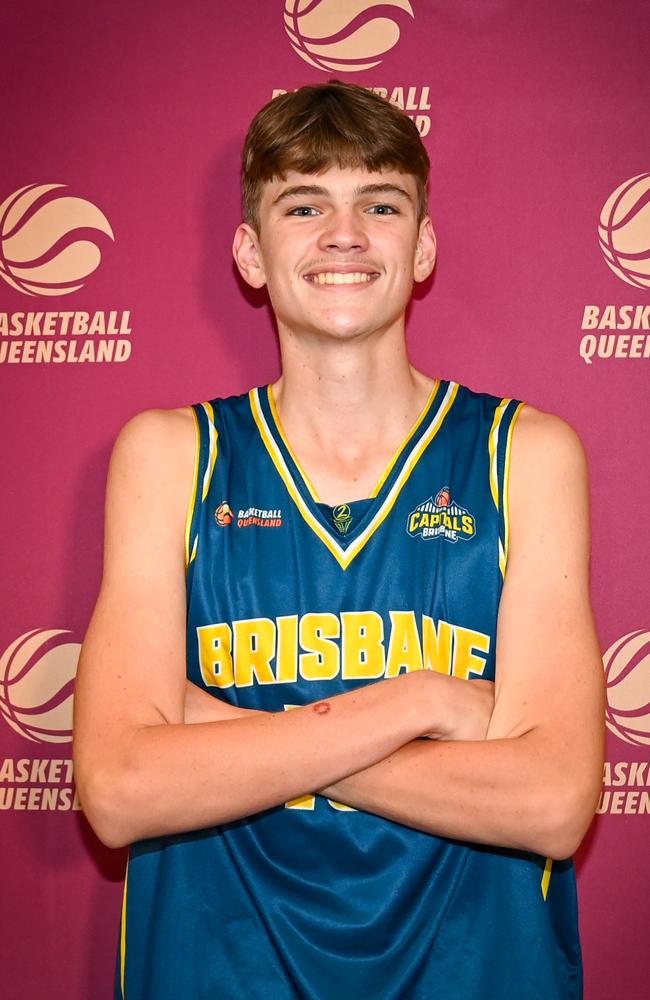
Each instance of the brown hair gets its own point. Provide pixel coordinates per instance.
(317, 127)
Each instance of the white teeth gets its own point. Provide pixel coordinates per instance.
(335, 278)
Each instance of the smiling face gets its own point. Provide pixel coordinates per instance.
(338, 251)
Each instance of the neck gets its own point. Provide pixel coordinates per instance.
(368, 388)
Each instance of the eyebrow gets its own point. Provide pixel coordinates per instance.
(315, 190)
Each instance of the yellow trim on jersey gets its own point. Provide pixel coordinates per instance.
(345, 556)
(506, 480)
(123, 931)
(389, 468)
(493, 445)
(276, 417)
(278, 461)
(493, 449)
(546, 877)
(212, 454)
(195, 480)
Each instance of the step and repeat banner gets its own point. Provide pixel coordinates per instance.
(122, 126)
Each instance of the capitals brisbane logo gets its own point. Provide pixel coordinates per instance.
(441, 517)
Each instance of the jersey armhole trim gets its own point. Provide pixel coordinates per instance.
(546, 877)
(192, 502)
(506, 484)
(123, 931)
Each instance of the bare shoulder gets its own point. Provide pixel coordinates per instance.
(548, 489)
(160, 441)
(150, 478)
(545, 447)
(163, 431)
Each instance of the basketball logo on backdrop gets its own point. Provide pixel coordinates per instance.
(48, 240)
(343, 35)
(624, 237)
(624, 231)
(50, 243)
(627, 679)
(37, 673)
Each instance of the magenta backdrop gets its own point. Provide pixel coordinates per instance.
(534, 114)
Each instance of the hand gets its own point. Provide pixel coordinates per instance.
(466, 708)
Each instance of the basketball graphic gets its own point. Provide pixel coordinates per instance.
(48, 240)
(37, 674)
(627, 678)
(342, 517)
(624, 231)
(443, 497)
(223, 514)
(342, 35)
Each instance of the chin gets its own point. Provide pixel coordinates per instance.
(345, 333)
(347, 328)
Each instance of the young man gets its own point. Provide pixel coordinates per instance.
(302, 553)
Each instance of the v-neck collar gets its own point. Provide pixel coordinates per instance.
(345, 548)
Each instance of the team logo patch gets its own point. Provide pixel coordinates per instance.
(342, 518)
(259, 518)
(223, 515)
(441, 517)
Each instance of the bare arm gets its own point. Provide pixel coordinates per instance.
(534, 784)
(140, 770)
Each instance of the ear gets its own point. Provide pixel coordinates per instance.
(425, 251)
(248, 257)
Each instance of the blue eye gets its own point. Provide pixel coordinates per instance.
(303, 211)
(382, 210)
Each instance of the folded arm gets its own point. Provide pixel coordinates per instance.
(534, 782)
(143, 772)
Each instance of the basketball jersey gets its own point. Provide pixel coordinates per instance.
(290, 601)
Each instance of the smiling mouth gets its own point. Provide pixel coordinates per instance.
(338, 278)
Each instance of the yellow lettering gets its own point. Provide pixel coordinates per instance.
(302, 802)
(317, 632)
(404, 648)
(363, 650)
(215, 655)
(436, 643)
(466, 645)
(468, 524)
(414, 520)
(287, 653)
(254, 650)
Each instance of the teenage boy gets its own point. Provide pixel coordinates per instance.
(329, 557)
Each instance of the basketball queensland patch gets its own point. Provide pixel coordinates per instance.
(441, 517)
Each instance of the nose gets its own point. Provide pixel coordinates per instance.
(343, 232)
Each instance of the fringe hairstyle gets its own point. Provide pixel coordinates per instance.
(332, 124)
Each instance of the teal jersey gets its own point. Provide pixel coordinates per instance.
(290, 601)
